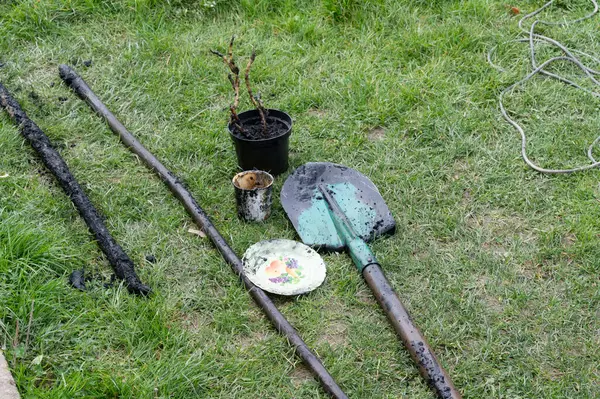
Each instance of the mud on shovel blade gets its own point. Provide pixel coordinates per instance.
(335, 207)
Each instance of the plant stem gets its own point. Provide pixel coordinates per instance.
(235, 82)
(29, 324)
(255, 100)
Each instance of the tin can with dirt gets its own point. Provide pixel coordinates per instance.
(253, 195)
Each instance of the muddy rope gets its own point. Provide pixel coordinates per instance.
(118, 259)
(569, 55)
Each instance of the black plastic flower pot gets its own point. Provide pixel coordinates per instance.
(254, 151)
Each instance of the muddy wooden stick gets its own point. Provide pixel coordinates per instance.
(203, 221)
(414, 341)
(429, 366)
(118, 259)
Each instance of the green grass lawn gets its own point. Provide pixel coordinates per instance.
(497, 264)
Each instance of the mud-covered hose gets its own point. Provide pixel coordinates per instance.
(312, 362)
(118, 259)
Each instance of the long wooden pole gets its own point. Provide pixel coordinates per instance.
(280, 323)
(414, 341)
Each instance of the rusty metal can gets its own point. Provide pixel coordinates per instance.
(253, 195)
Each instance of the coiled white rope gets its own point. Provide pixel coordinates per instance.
(569, 55)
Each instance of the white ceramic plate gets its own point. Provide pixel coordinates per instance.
(284, 267)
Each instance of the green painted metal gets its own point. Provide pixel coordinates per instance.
(361, 253)
(362, 216)
(358, 199)
(359, 250)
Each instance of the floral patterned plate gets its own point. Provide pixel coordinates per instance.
(284, 267)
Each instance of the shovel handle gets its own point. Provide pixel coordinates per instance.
(413, 340)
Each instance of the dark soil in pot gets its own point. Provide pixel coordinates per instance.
(253, 128)
(254, 149)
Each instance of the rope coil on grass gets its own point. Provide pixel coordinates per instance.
(569, 55)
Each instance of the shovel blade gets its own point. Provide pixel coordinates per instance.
(356, 195)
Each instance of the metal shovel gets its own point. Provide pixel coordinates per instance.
(333, 207)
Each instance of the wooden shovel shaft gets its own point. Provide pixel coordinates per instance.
(413, 340)
(202, 220)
